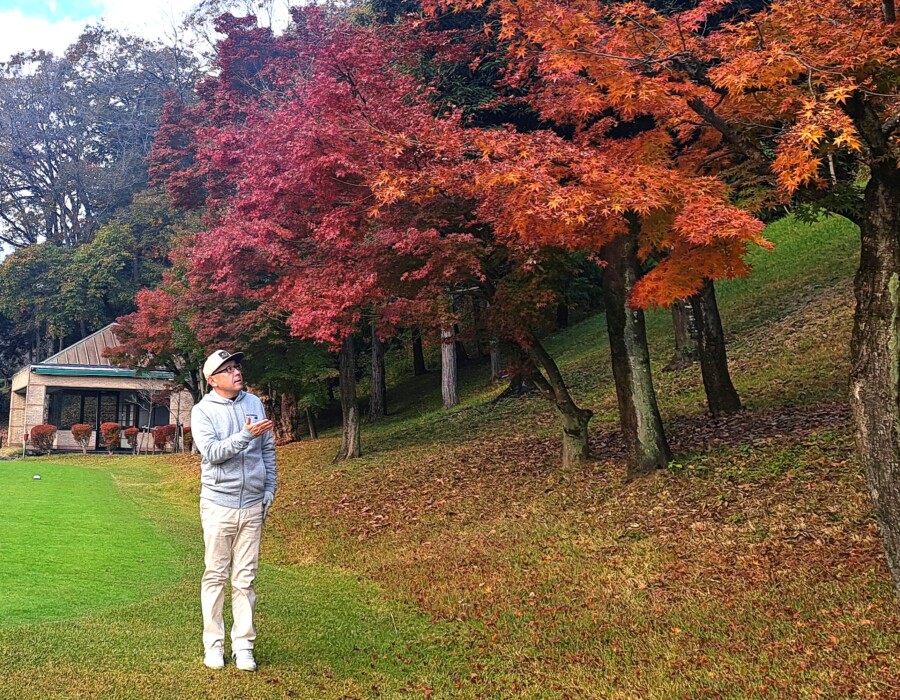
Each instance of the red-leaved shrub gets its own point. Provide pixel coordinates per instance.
(82, 433)
(109, 435)
(163, 435)
(188, 438)
(131, 434)
(42, 437)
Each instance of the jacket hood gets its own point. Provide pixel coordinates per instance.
(215, 398)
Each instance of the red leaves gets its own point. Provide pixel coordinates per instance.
(309, 216)
(81, 433)
(43, 436)
(147, 333)
(333, 190)
(109, 435)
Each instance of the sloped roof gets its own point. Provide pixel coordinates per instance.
(87, 351)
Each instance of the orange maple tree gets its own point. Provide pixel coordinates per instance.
(618, 170)
(825, 81)
(794, 101)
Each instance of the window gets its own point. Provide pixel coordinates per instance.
(160, 416)
(70, 407)
(70, 411)
(109, 408)
(128, 415)
(89, 410)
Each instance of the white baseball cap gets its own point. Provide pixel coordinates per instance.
(219, 358)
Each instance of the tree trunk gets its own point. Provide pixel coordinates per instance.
(575, 435)
(419, 367)
(448, 368)
(520, 384)
(639, 417)
(686, 350)
(574, 419)
(311, 424)
(272, 411)
(462, 355)
(289, 418)
(875, 354)
(496, 364)
(721, 395)
(350, 435)
(378, 398)
(197, 386)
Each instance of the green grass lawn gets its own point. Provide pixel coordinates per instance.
(74, 543)
(101, 560)
(457, 559)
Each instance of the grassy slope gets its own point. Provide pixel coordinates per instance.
(752, 568)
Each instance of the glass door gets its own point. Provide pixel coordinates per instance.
(108, 412)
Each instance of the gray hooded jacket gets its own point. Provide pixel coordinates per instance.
(237, 468)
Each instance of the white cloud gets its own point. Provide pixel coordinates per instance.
(154, 19)
(19, 33)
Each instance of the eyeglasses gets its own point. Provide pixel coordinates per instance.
(227, 370)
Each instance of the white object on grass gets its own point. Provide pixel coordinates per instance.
(36, 476)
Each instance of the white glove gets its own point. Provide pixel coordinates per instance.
(268, 498)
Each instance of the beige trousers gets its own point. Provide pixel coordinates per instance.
(231, 536)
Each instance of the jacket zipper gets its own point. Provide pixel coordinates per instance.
(240, 427)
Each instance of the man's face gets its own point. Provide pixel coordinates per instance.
(228, 377)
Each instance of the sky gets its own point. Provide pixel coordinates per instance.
(54, 24)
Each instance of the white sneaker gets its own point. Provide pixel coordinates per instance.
(244, 660)
(214, 658)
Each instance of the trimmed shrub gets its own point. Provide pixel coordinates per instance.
(82, 433)
(110, 435)
(131, 434)
(42, 437)
(188, 438)
(163, 435)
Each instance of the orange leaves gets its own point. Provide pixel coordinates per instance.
(751, 70)
(388, 187)
(683, 272)
(819, 127)
(706, 240)
(706, 221)
(794, 70)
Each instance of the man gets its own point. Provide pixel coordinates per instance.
(237, 478)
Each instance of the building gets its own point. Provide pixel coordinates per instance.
(79, 385)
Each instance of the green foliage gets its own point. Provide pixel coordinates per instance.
(89, 286)
(285, 364)
(842, 199)
(31, 280)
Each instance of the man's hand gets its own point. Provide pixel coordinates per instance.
(268, 498)
(260, 428)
